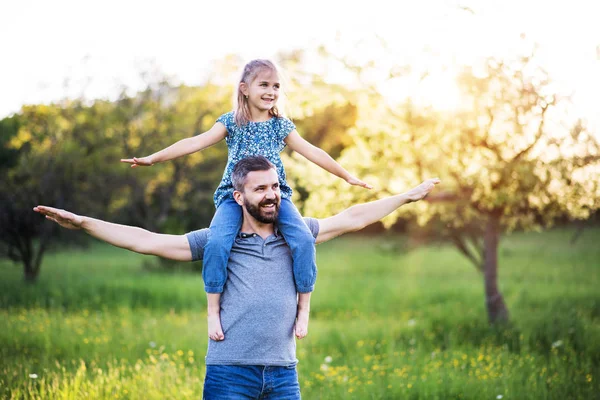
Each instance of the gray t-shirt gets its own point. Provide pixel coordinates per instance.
(259, 300)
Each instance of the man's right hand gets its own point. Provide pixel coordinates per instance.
(64, 218)
(173, 247)
(138, 162)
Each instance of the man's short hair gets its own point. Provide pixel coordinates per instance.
(247, 165)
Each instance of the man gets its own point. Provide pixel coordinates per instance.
(257, 359)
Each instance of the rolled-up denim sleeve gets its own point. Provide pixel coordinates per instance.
(197, 240)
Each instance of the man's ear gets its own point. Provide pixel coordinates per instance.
(244, 88)
(238, 197)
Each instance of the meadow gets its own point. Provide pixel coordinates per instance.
(388, 321)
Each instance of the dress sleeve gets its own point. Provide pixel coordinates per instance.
(227, 120)
(285, 127)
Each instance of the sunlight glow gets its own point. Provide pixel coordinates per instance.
(184, 37)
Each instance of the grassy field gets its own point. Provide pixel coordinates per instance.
(387, 323)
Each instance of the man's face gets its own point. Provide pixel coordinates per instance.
(262, 196)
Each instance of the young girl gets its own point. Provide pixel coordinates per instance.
(255, 127)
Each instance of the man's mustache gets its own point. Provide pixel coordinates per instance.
(267, 202)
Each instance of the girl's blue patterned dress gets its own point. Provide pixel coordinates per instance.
(254, 139)
(266, 139)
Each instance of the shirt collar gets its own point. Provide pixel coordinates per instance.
(247, 235)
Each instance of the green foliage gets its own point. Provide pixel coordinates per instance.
(399, 325)
(505, 159)
(37, 174)
(9, 127)
(501, 152)
(178, 194)
(328, 127)
(67, 155)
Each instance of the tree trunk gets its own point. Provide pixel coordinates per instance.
(31, 273)
(32, 258)
(497, 311)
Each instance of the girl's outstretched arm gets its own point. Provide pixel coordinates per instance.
(181, 148)
(321, 158)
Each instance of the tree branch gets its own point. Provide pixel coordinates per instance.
(459, 243)
(538, 136)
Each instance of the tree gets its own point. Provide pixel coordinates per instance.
(9, 127)
(507, 159)
(67, 155)
(178, 194)
(24, 237)
(43, 170)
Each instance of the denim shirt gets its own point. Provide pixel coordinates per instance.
(264, 138)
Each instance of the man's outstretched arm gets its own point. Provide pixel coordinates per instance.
(362, 215)
(174, 247)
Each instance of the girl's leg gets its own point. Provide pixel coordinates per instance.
(301, 327)
(223, 229)
(302, 244)
(215, 331)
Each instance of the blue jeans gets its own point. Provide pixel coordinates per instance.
(237, 382)
(224, 228)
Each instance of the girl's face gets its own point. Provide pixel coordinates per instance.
(263, 91)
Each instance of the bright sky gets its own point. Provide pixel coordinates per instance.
(46, 42)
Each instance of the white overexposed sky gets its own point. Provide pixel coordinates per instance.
(45, 43)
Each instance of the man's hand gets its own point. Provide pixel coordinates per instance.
(419, 192)
(138, 162)
(357, 182)
(64, 218)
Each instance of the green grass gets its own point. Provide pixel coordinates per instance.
(386, 323)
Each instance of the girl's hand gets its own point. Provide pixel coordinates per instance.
(138, 162)
(357, 182)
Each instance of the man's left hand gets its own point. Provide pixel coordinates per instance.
(419, 192)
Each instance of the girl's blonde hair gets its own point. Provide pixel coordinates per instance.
(242, 110)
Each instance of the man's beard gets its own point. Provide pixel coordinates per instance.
(257, 212)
